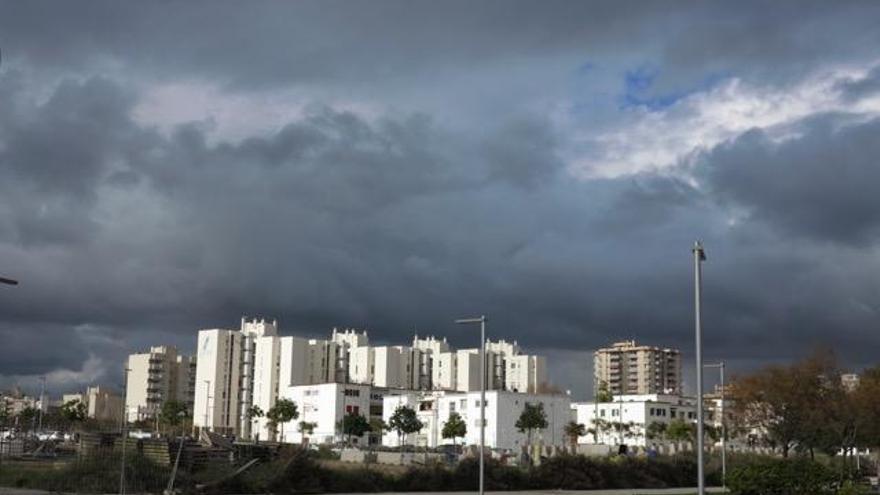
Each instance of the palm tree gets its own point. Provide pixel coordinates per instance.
(575, 430)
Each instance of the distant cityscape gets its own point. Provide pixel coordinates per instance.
(235, 370)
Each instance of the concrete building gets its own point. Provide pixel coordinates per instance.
(102, 403)
(325, 405)
(224, 386)
(635, 412)
(16, 401)
(254, 366)
(156, 376)
(503, 408)
(627, 368)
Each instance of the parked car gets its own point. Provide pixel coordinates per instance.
(49, 436)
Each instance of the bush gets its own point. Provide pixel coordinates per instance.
(770, 476)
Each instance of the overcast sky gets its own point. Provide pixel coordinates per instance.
(171, 166)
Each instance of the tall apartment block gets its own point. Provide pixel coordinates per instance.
(224, 385)
(629, 368)
(156, 376)
(238, 369)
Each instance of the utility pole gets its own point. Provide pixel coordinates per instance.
(6, 281)
(124, 435)
(699, 257)
(482, 321)
(42, 400)
(207, 400)
(720, 366)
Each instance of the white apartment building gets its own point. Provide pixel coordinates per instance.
(253, 366)
(156, 376)
(629, 368)
(503, 409)
(224, 387)
(634, 411)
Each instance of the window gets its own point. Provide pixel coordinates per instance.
(602, 413)
(463, 404)
(452, 406)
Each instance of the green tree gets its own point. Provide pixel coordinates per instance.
(790, 403)
(575, 430)
(655, 431)
(455, 427)
(603, 394)
(679, 431)
(306, 428)
(172, 414)
(253, 413)
(532, 418)
(26, 417)
(4, 414)
(73, 412)
(354, 425)
(281, 413)
(404, 421)
(377, 428)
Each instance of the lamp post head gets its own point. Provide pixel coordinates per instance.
(464, 321)
(698, 250)
(8, 281)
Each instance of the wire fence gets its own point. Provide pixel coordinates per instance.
(104, 463)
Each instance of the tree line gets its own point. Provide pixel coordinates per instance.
(807, 407)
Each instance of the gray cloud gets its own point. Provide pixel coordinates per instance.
(820, 184)
(451, 196)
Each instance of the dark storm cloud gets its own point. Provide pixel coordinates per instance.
(401, 220)
(398, 225)
(337, 42)
(822, 184)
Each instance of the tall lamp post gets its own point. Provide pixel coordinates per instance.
(6, 281)
(720, 366)
(207, 405)
(699, 258)
(124, 432)
(482, 321)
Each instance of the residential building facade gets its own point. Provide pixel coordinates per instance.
(254, 366)
(154, 377)
(627, 368)
(635, 413)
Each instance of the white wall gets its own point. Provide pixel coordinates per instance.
(467, 370)
(266, 379)
(634, 409)
(219, 361)
(502, 411)
(325, 404)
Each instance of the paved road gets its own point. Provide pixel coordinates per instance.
(645, 491)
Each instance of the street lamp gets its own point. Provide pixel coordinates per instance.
(8, 281)
(124, 432)
(699, 258)
(207, 400)
(720, 366)
(482, 321)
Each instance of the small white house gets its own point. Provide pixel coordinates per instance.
(325, 405)
(502, 411)
(636, 412)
